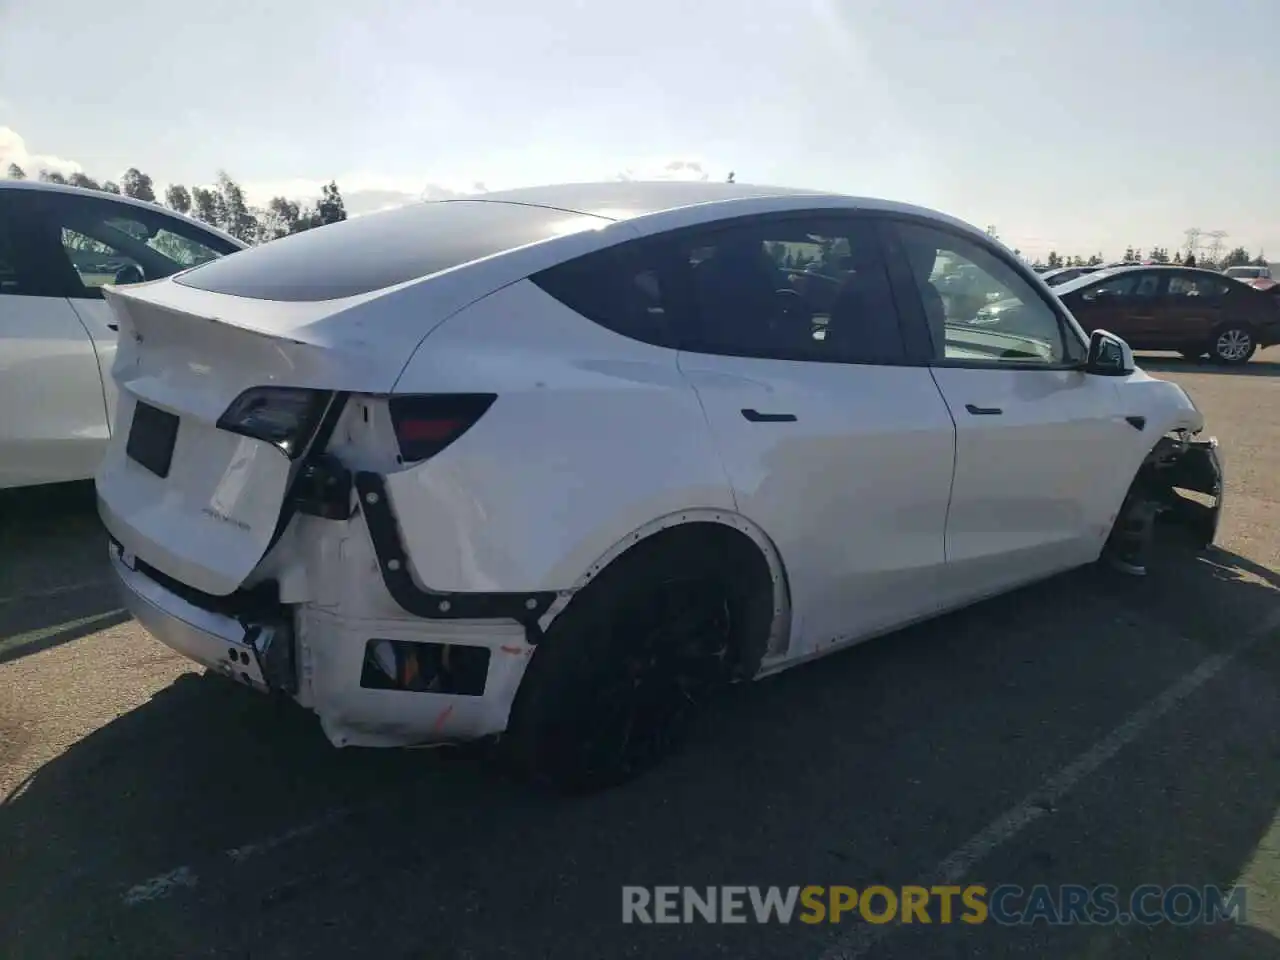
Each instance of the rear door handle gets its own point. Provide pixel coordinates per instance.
(983, 411)
(113, 326)
(755, 416)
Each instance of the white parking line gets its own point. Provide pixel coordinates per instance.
(161, 885)
(954, 867)
(34, 637)
(240, 854)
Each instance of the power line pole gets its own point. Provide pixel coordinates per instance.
(1215, 248)
(1193, 240)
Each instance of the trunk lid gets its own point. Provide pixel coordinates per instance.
(196, 501)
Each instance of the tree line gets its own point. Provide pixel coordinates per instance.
(1239, 257)
(222, 205)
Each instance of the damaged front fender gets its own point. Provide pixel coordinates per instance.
(1196, 466)
(1181, 480)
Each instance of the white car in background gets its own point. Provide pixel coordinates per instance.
(58, 246)
(558, 463)
(1248, 272)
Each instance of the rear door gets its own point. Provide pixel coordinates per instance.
(833, 443)
(1038, 441)
(1191, 308)
(53, 418)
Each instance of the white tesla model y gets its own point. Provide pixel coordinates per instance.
(557, 463)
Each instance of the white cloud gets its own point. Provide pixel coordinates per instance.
(13, 149)
(692, 170)
(361, 193)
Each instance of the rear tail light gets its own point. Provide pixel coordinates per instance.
(284, 416)
(426, 424)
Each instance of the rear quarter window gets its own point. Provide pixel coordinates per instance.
(380, 250)
(620, 288)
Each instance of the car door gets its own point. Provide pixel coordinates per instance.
(837, 447)
(53, 420)
(106, 241)
(1139, 310)
(1038, 441)
(1191, 309)
(1114, 303)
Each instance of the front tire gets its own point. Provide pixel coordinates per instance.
(620, 675)
(1233, 344)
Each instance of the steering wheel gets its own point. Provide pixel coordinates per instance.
(793, 306)
(129, 273)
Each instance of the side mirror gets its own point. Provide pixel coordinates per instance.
(1109, 356)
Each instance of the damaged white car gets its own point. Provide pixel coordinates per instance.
(558, 463)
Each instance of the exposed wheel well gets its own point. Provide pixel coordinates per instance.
(766, 621)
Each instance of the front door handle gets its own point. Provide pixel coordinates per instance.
(983, 411)
(755, 416)
(113, 326)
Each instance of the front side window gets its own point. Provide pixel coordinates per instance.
(1120, 285)
(113, 243)
(794, 288)
(979, 307)
(1148, 285)
(98, 263)
(185, 248)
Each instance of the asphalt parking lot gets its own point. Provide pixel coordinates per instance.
(1087, 730)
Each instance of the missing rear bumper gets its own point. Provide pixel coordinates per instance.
(259, 654)
(394, 565)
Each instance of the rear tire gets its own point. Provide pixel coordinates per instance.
(1233, 344)
(622, 672)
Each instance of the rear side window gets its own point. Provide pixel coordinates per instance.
(1197, 285)
(382, 249)
(802, 287)
(621, 288)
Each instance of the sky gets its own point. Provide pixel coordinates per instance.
(1082, 127)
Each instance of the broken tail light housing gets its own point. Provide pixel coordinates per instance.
(286, 417)
(427, 423)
